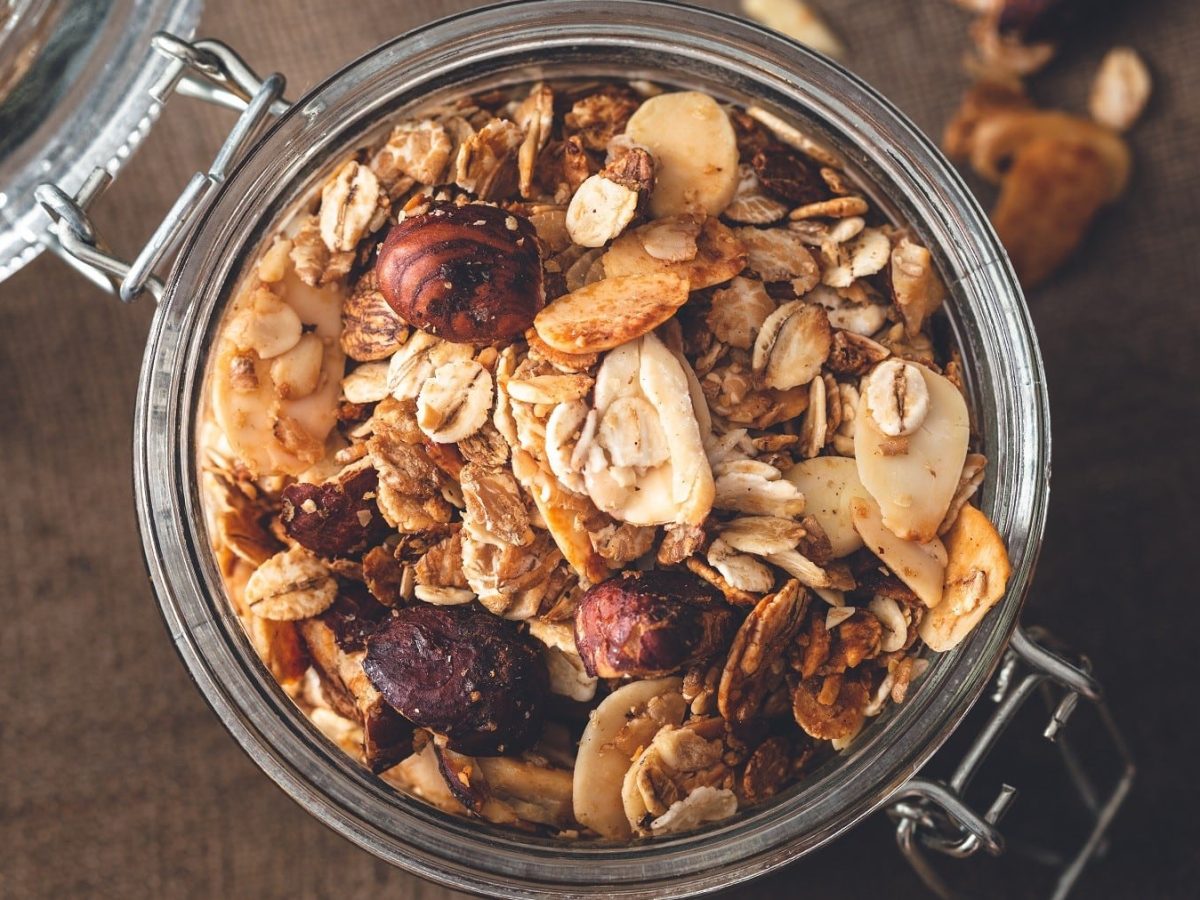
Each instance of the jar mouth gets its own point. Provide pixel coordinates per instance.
(525, 41)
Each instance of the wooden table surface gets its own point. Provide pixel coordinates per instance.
(117, 781)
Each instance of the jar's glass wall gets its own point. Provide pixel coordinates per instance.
(734, 62)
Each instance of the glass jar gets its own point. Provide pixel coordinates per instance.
(521, 42)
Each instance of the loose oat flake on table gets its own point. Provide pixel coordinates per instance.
(583, 459)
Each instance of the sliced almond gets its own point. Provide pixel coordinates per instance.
(695, 152)
(914, 564)
(828, 483)
(914, 488)
(976, 577)
(610, 312)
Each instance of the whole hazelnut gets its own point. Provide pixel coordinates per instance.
(648, 624)
(470, 274)
(464, 674)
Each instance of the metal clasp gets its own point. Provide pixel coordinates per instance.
(935, 815)
(208, 70)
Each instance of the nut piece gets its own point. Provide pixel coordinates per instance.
(1121, 89)
(290, 585)
(336, 518)
(916, 287)
(695, 151)
(896, 397)
(470, 274)
(455, 402)
(610, 312)
(647, 624)
(599, 211)
(462, 673)
(371, 330)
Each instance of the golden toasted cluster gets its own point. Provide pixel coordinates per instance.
(581, 459)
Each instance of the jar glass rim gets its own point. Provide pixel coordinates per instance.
(989, 320)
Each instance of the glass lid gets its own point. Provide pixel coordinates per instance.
(74, 76)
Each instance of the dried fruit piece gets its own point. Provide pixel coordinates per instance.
(1121, 89)
(647, 624)
(617, 729)
(695, 151)
(792, 345)
(977, 573)
(914, 488)
(464, 674)
(470, 274)
(610, 312)
(828, 483)
(290, 585)
(455, 402)
(920, 566)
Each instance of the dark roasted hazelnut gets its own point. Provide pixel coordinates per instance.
(470, 274)
(337, 517)
(647, 624)
(464, 674)
(788, 175)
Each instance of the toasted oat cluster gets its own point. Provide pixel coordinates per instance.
(582, 459)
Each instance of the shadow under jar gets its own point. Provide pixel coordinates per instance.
(905, 178)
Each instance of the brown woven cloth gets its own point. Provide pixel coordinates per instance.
(117, 781)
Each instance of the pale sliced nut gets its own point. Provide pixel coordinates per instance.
(808, 573)
(599, 211)
(914, 488)
(455, 402)
(792, 345)
(624, 722)
(814, 429)
(916, 286)
(913, 563)
(739, 570)
(694, 149)
(367, 383)
(794, 137)
(1121, 89)
(297, 372)
(349, 202)
(567, 674)
(610, 312)
(896, 397)
(739, 311)
(267, 325)
(828, 483)
(290, 585)
(976, 577)
(797, 20)
(762, 535)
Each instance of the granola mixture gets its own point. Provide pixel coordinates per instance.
(583, 459)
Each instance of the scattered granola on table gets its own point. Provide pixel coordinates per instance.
(582, 459)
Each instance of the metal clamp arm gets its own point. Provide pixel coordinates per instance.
(934, 815)
(205, 69)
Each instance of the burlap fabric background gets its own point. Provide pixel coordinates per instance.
(117, 781)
